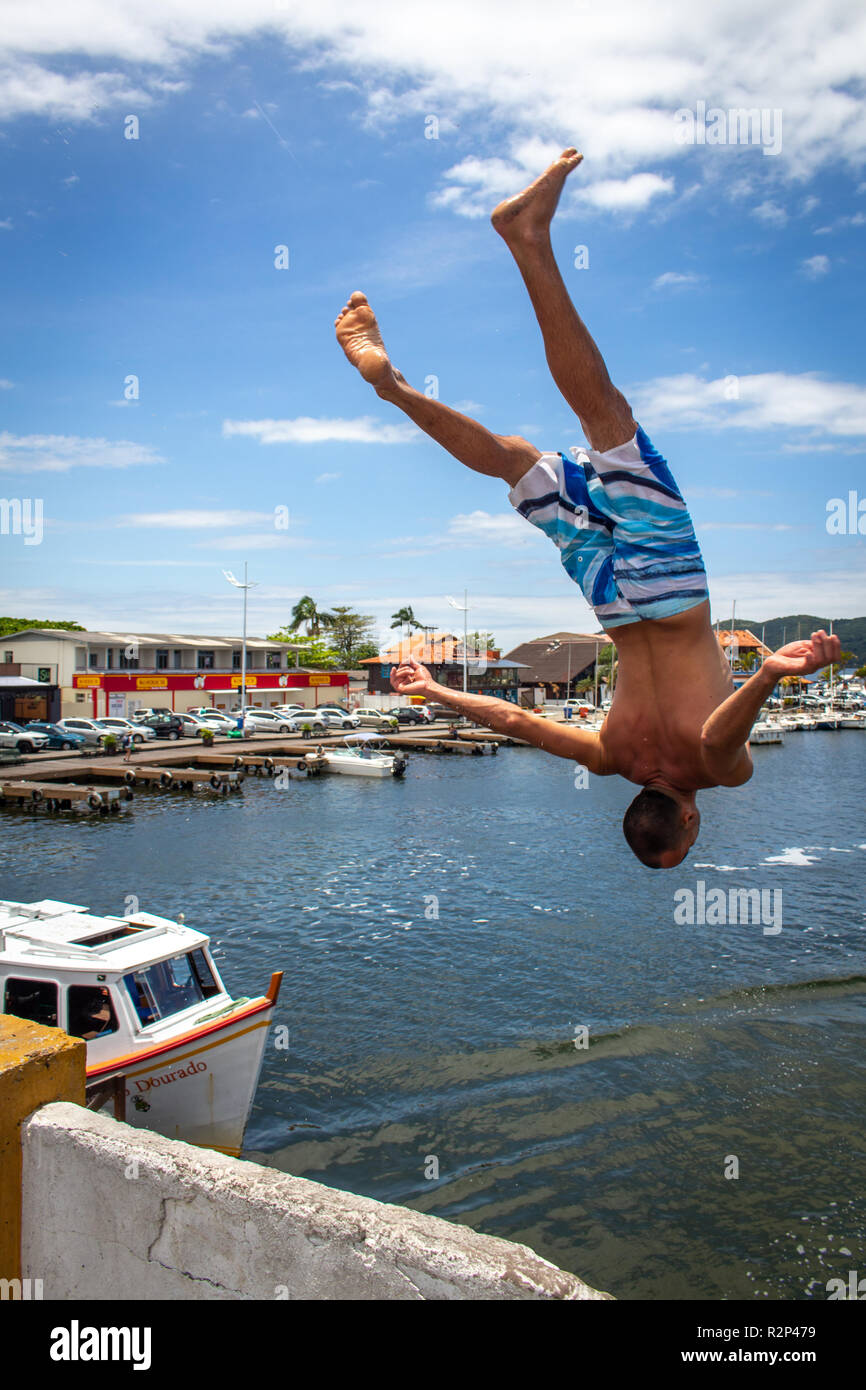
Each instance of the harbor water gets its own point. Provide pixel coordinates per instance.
(496, 1015)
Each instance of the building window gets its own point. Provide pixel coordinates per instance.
(236, 659)
(93, 660)
(177, 659)
(8, 658)
(205, 660)
(273, 661)
(109, 658)
(162, 658)
(128, 663)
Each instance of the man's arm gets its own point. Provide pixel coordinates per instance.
(411, 678)
(725, 734)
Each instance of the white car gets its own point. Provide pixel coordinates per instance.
(194, 723)
(216, 720)
(265, 721)
(376, 719)
(300, 717)
(90, 730)
(23, 740)
(140, 733)
(337, 718)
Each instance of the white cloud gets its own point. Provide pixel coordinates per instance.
(262, 540)
(196, 520)
(307, 429)
(609, 77)
(815, 266)
(674, 278)
(505, 528)
(6, 384)
(770, 213)
(57, 453)
(328, 477)
(627, 195)
(768, 400)
(763, 595)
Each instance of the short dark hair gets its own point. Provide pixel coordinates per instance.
(652, 825)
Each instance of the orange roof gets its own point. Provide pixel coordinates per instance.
(430, 648)
(741, 637)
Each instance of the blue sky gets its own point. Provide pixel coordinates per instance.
(725, 287)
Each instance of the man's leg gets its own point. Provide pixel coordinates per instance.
(499, 456)
(575, 362)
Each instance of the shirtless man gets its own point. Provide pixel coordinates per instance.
(625, 536)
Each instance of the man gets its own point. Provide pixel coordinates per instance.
(615, 512)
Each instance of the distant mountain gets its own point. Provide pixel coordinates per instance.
(777, 631)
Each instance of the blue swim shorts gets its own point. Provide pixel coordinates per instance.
(622, 528)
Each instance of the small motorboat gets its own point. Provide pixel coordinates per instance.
(145, 995)
(359, 757)
(765, 732)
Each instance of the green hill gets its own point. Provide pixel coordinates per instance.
(777, 631)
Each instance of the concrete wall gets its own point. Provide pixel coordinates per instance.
(115, 1212)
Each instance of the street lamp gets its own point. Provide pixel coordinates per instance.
(464, 609)
(247, 584)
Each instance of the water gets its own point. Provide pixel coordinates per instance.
(416, 1037)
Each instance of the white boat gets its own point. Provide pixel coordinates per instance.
(144, 993)
(357, 758)
(765, 732)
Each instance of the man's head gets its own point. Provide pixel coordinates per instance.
(661, 828)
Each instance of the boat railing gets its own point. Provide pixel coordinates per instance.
(103, 1089)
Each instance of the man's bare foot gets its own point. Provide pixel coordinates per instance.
(359, 337)
(527, 216)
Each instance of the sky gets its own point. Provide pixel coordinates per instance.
(190, 191)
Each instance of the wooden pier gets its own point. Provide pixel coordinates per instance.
(64, 796)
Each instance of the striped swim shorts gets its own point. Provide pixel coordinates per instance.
(622, 527)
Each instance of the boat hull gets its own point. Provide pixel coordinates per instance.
(198, 1087)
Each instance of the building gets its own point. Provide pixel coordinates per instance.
(23, 699)
(554, 665)
(742, 648)
(99, 673)
(442, 653)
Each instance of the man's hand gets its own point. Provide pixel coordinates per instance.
(803, 658)
(411, 678)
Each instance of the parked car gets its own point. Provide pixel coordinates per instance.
(141, 714)
(437, 711)
(216, 720)
(409, 714)
(312, 717)
(57, 737)
(91, 732)
(376, 718)
(13, 736)
(194, 723)
(337, 718)
(265, 721)
(139, 733)
(164, 725)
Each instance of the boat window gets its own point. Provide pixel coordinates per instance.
(203, 973)
(114, 935)
(35, 1000)
(89, 1012)
(164, 989)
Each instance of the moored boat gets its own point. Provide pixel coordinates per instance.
(144, 993)
(358, 757)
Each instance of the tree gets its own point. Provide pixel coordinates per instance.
(747, 661)
(860, 673)
(832, 672)
(8, 625)
(349, 632)
(404, 617)
(305, 611)
(480, 642)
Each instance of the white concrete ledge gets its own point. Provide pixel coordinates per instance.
(111, 1211)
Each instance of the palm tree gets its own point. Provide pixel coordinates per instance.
(404, 617)
(305, 611)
